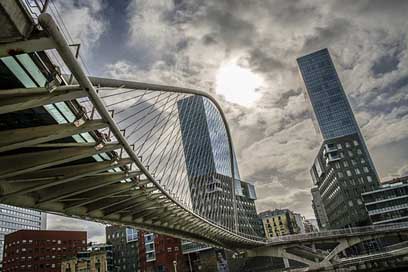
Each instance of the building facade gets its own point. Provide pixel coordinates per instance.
(15, 218)
(389, 202)
(343, 168)
(208, 165)
(95, 261)
(309, 226)
(342, 173)
(319, 210)
(279, 222)
(159, 253)
(200, 257)
(125, 247)
(36, 250)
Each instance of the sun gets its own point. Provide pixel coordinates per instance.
(237, 84)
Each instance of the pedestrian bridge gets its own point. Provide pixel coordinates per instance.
(126, 152)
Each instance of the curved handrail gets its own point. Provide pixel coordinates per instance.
(117, 83)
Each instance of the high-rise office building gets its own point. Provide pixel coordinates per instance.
(16, 218)
(125, 247)
(319, 210)
(343, 168)
(208, 166)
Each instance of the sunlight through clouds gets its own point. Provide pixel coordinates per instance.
(238, 84)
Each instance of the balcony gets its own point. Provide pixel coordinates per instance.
(333, 157)
(330, 148)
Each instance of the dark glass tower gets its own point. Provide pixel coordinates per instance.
(208, 164)
(343, 168)
(332, 110)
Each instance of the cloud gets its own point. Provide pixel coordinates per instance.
(185, 42)
(95, 231)
(80, 21)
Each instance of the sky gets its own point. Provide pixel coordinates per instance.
(244, 53)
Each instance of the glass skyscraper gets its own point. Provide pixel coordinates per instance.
(208, 165)
(332, 110)
(343, 168)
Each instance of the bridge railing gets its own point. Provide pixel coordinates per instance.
(340, 232)
(177, 137)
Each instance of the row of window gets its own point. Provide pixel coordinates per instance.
(17, 226)
(357, 171)
(4, 217)
(23, 210)
(21, 214)
(44, 242)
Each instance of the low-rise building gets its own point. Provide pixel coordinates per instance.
(389, 202)
(201, 257)
(309, 226)
(88, 261)
(279, 222)
(40, 250)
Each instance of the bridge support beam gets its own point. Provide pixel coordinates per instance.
(14, 165)
(47, 178)
(24, 137)
(83, 185)
(18, 102)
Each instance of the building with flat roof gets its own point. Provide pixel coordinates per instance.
(280, 222)
(41, 250)
(389, 202)
(343, 168)
(15, 218)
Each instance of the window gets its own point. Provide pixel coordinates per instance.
(362, 160)
(353, 162)
(348, 145)
(357, 171)
(339, 146)
(369, 179)
(340, 174)
(359, 152)
(348, 172)
(169, 249)
(355, 143)
(337, 164)
(350, 203)
(350, 154)
(365, 169)
(359, 202)
(345, 163)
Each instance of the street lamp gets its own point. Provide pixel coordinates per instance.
(175, 265)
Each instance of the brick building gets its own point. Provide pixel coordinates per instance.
(159, 253)
(40, 250)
